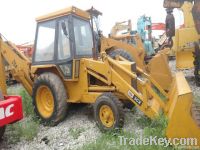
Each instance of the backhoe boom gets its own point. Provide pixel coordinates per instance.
(19, 64)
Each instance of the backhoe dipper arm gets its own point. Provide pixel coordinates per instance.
(19, 64)
(171, 4)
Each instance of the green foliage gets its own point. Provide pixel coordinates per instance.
(157, 127)
(76, 132)
(27, 103)
(111, 141)
(28, 127)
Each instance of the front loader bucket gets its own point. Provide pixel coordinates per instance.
(184, 59)
(183, 115)
(158, 69)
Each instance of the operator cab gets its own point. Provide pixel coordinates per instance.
(62, 38)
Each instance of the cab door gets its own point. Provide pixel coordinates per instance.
(64, 59)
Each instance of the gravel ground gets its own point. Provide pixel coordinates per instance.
(80, 120)
(62, 137)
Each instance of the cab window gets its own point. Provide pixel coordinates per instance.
(63, 41)
(45, 41)
(83, 37)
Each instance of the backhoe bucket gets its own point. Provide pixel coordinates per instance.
(183, 115)
(184, 59)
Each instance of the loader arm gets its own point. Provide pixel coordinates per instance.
(157, 67)
(140, 93)
(183, 119)
(19, 64)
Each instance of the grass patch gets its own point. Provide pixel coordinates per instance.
(27, 128)
(157, 127)
(111, 141)
(27, 104)
(75, 132)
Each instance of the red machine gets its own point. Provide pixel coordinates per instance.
(26, 48)
(158, 26)
(10, 111)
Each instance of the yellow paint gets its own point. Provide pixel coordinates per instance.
(159, 70)
(64, 12)
(181, 123)
(184, 39)
(18, 63)
(187, 12)
(45, 101)
(106, 116)
(3, 86)
(115, 76)
(184, 47)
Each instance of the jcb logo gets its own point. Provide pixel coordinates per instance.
(6, 112)
(135, 98)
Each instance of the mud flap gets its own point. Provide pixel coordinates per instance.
(183, 123)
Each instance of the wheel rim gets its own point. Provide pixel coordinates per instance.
(106, 116)
(44, 101)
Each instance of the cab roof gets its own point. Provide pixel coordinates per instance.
(64, 12)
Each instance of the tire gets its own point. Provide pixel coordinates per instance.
(49, 91)
(2, 131)
(126, 55)
(121, 52)
(116, 119)
(196, 63)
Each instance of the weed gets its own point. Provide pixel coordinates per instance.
(26, 129)
(110, 141)
(76, 132)
(27, 103)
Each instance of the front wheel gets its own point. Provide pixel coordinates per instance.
(49, 99)
(108, 112)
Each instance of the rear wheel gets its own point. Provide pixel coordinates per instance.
(49, 99)
(121, 52)
(2, 130)
(108, 112)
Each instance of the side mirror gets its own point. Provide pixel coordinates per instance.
(64, 28)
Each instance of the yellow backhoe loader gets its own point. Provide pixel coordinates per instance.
(73, 63)
(186, 36)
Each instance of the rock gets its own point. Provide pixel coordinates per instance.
(45, 140)
(61, 144)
